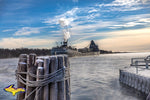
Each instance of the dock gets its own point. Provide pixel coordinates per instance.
(137, 75)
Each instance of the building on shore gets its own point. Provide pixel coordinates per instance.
(91, 48)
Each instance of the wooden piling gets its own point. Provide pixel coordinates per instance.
(67, 82)
(40, 71)
(55, 71)
(31, 68)
(39, 93)
(22, 67)
(61, 85)
(46, 71)
(53, 86)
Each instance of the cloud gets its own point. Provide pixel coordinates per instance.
(124, 5)
(96, 17)
(93, 10)
(8, 30)
(27, 31)
(70, 16)
(26, 42)
(117, 23)
(128, 3)
(132, 21)
(88, 27)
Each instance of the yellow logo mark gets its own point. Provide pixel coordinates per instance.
(13, 90)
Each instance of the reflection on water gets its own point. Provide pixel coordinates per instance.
(92, 77)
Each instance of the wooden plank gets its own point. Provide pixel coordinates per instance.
(22, 67)
(61, 85)
(53, 86)
(31, 68)
(46, 71)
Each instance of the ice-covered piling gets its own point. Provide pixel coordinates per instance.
(44, 78)
(139, 81)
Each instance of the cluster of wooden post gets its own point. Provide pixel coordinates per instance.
(56, 90)
(136, 81)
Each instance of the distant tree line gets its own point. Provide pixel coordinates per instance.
(9, 53)
(105, 52)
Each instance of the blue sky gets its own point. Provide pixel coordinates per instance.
(118, 25)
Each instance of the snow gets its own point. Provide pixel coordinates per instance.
(39, 60)
(40, 67)
(23, 63)
(141, 71)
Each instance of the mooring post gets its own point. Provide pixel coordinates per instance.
(53, 86)
(61, 84)
(22, 67)
(46, 71)
(55, 71)
(67, 82)
(31, 68)
(40, 71)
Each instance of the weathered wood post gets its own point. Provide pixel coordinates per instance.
(31, 68)
(22, 67)
(40, 71)
(53, 86)
(61, 85)
(46, 71)
(47, 79)
(67, 81)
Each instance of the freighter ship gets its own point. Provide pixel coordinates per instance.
(92, 49)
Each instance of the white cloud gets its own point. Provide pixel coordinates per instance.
(70, 16)
(135, 17)
(8, 30)
(87, 27)
(27, 31)
(124, 5)
(93, 10)
(26, 42)
(132, 20)
(128, 3)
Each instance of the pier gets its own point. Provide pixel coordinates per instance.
(137, 75)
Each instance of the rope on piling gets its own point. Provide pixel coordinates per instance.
(56, 76)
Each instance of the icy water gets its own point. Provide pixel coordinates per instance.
(92, 77)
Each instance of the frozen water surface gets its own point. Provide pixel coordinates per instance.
(92, 77)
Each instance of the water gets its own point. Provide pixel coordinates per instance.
(92, 77)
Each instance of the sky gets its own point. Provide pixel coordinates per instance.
(117, 25)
